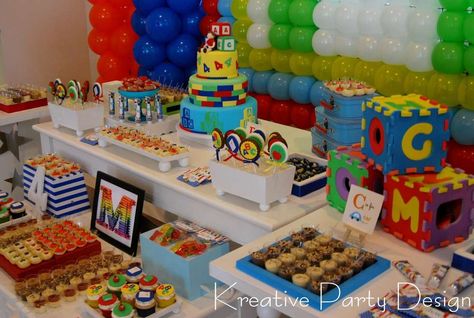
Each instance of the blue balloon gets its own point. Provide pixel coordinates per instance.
(247, 71)
(279, 86)
(142, 71)
(146, 6)
(183, 6)
(316, 93)
(300, 87)
(191, 23)
(190, 71)
(182, 50)
(148, 53)
(260, 81)
(223, 6)
(229, 20)
(168, 74)
(139, 23)
(462, 127)
(163, 25)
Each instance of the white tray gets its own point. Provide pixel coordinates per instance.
(157, 128)
(77, 118)
(318, 160)
(160, 312)
(164, 162)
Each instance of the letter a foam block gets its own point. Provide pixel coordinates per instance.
(405, 134)
(346, 167)
(429, 211)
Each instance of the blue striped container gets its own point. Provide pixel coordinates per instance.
(342, 107)
(67, 195)
(322, 144)
(341, 130)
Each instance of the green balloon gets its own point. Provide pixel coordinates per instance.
(469, 60)
(469, 27)
(301, 39)
(448, 58)
(301, 12)
(239, 29)
(278, 11)
(451, 26)
(455, 5)
(279, 36)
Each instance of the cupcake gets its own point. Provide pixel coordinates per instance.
(258, 258)
(308, 232)
(315, 273)
(331, 277)
(165, 295)
(69, 294)
(4, 215)
(323, 239)
(284, 245)
(286, 272)
(272, 265)
(352, 252)
(301, 280)
(310, 246)
(337, 245)
(339, 258)
(297, 239)
(82, 288)
(148, 282)
(76, 280)
(88, 276)
(61, 287)
(39, 306)
(129, 291)
(145, 303)
(273, 252)
(368, 258)
(326, 251)
(94, 292)
(31, 298)
(299, 252)
(133, 274)
(314, 258)
(287, 258)
(329, 266)
(316, 287)
(17, 210)
(123, 310)
(346, 272)
(301, 266)
(357, 265)
(54, 300)
(115, 284)
(107, 302)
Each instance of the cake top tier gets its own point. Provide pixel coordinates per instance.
(217, 56)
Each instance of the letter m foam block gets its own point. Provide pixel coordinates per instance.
(405, 134)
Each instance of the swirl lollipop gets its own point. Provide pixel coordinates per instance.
(61, 92)
(232, 141)
(217, 141)
(73, 93)
(97, 92)
(258, 139)
(242, 132)
(57, 82)
(250, 151)
(85, 91)
(279, 152)
(261, 133)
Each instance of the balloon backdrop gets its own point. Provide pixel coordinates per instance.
(462, 127)
(279, 86)
(461, 156)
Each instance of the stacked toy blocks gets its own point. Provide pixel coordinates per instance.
(346, 166)
(405, 134)
(429, 210)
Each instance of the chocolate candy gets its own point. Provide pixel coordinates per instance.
(305, 168)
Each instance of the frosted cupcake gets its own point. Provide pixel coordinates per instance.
(107, 303)
(145, 303)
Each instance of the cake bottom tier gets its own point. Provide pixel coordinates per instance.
(203, 120)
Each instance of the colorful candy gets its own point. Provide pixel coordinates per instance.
(409, 271)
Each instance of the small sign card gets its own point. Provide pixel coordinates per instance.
(362, 209)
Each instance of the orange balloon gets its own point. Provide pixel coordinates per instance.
(122, 41)
(105, 17)
(112, 67)
(99, 42)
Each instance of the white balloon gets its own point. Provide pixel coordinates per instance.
(346, 45)
(346, 17)
(368, 48)
(421, 24)
(418, 56)
(369, 19)
(393, 51)
(323, 14)
(394, 19)
(324, 42)
(257, 11)
(426, 4)
(257, 36)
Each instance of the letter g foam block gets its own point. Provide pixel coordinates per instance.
(405, 134)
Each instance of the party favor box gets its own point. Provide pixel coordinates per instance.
(186, 274)
(67, 194)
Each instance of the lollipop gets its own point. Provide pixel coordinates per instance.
(241, 132)
(85, 91)
(275, 137)
(73, 93)
(57, 82)
(217, 141)
(52, 88)
(232, 141)
(258, 139)
(250, 151)
(278, 152)
(261, 133)
(61, 92)
(97, 92)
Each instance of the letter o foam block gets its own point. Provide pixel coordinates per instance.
(429, 211)
(346, 167)
(405, 134)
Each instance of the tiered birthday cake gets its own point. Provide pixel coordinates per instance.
(217, 93)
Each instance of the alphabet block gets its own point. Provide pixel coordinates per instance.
(405, 134)
(226, 43)
(221, 28)
(429, 211)
(346, 167)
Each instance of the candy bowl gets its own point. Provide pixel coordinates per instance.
(310, 174)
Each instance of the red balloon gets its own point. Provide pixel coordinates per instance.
(99, 42)
(300, 116)
(120, 3)
(205, 24)
(280, 112)
(105, 17)
(127, 12)
(97, 1)
(312, 116)
(134, 68)
(100, 79)
(210, 7)
(122, 41)
(264, 104)
(112, 67)
(461, 156)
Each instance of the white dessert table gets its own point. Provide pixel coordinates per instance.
(237, 218)
(329, 219)
(24, 115)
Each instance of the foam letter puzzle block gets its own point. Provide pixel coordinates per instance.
(221, 28)
(226, 43)
(430, 210)
(346, 167)
(405, 134)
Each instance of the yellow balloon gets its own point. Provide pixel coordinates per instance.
(260, 59)
(365, 71)
(243, 52)
(301, 63)
(444, 88)
(466, 92)
(417, 83)
(390, 79)
(239, 9)
(344, 67)
(322, 67)
(240, 28)
(280, 60)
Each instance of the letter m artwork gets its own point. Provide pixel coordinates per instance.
(118, 220)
